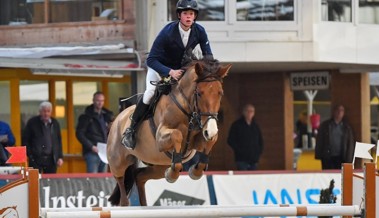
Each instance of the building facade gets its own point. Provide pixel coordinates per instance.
(64, 51)
(265, 41)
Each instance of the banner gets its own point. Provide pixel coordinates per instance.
(12, 197)
(299, 188)
(76, 192)
(184, 191)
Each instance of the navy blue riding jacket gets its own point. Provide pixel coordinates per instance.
(168, 50)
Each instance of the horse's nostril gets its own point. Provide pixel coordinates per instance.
(206, 133)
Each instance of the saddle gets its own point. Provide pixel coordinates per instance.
(163, 88)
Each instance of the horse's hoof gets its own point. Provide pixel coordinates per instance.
(124, 203)
(168, 175)
(191, 173)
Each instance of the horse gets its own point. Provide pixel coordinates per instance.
(183, 122)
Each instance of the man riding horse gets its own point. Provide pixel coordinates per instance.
(165, 58)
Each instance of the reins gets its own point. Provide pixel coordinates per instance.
(194, 115)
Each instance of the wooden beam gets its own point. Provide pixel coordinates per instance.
(15, 109)
(47, 11)
(347, 185)
(33, 181)
(370, 190)
(52, 96)
(70, 120)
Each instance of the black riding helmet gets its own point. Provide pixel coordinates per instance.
(184, 5)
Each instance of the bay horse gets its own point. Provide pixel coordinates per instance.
(184, 121)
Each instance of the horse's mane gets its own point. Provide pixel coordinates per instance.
(210, 68)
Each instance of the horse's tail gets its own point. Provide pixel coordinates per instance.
(129, 179)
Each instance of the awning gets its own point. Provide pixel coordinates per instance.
(104, 60)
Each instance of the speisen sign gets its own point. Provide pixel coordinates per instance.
(310, 80)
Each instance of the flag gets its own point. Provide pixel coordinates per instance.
(362, 150)
(18, 154)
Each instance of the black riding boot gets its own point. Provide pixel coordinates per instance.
(129, 136)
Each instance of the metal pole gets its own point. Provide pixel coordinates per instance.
(310, 95)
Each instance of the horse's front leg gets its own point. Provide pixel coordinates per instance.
(145, 174)
(171, 140)
(204, 148)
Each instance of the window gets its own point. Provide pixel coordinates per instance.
(369, 11)
(5, 95)
(61, 104)
(82, 97)
(32, 93)
(21, 12)
(209, 10)
(265, 10)
(336, 10)
(116, 91)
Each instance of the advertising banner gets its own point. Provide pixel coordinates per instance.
(184, 191)
(265, 189)
(76, 192)
(12, 197)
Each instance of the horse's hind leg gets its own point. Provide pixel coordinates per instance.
(145, 174)
(124, 201)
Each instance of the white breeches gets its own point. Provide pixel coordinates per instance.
(152, 75)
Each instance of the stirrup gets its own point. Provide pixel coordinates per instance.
(128, 138)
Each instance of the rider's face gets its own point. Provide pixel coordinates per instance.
(187, 17)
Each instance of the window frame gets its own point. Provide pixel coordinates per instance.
(47, 13)
(231, 25)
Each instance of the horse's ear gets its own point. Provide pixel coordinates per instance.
(199, 69)
(223, 72)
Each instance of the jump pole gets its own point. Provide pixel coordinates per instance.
(218, 211)
(44, 211)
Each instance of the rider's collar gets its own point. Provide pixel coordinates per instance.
(182, 31)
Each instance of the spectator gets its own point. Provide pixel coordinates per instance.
(246, 140)
(93, 127)
(335, 142)
(6, 139)
(42, 138)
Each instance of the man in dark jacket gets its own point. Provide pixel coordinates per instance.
(246, 140)
(335, 141)
(43, 141)
(93, 127)
(166, 56)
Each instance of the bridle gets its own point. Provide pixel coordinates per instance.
(194, 114)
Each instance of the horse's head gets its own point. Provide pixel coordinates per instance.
(206, 78)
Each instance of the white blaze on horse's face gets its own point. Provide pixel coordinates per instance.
(210, 129)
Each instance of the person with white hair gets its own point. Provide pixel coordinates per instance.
(42, 137)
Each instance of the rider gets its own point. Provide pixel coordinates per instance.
(165, 58)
